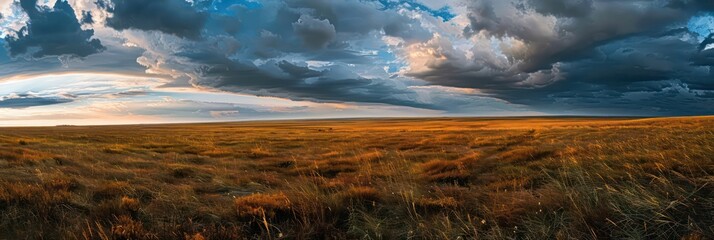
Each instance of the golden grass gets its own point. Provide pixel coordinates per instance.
(263, 206)
(461, 178)
(443, 171)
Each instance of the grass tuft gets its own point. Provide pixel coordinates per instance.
(260, 206)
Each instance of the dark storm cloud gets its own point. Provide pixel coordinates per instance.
(644, 75)
(693, 5)
(580, 55)
(580, 26)
(54, 31)
(560, 52)
(362, 17)
(278, 28)
(643, 59)
(315, 34)
(26, 101)
(112, 59)
(3, 53)
(288, 34)
(87, 17)
(704, 58)
(176, 17)
(284, 79)
(563, 8)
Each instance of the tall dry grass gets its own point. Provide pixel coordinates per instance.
(532, 178)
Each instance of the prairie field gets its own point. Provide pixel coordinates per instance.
(441, 178)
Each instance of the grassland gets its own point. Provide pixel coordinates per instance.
(534, 178)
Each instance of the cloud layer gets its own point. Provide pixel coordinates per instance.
(461, 57)
(53, 31)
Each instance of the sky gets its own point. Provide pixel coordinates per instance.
(162, 61)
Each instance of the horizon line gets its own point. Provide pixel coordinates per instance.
(361, 119)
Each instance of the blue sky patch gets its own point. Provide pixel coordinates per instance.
(224, 5)
(703, 25)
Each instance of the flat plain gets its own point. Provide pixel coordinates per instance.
(443, 178)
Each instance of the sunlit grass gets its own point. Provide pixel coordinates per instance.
(532, 178)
